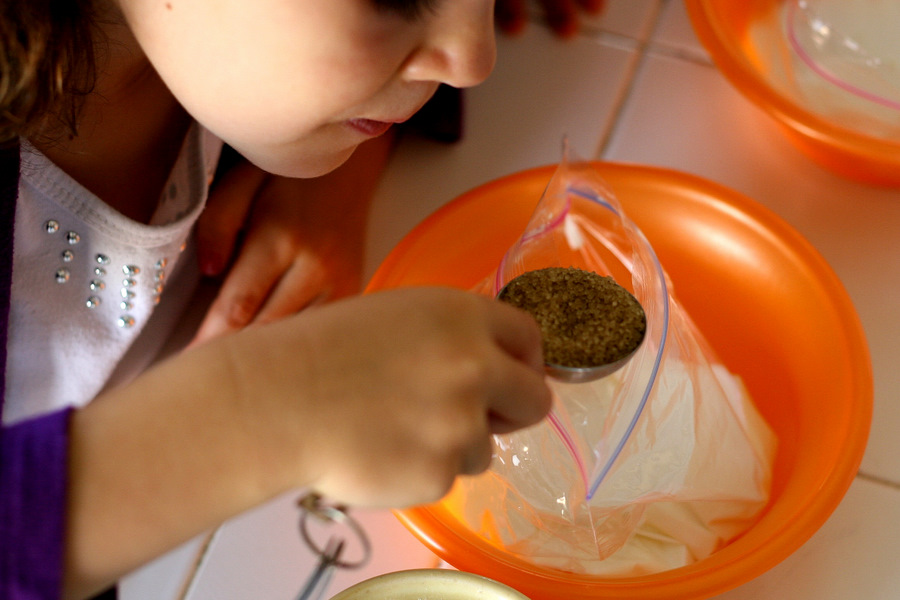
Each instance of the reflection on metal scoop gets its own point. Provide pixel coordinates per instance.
(587, 374)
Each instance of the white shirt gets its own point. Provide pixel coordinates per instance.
(88, 282)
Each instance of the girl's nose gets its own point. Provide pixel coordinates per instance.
(459, 48)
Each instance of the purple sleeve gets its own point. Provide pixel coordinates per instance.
(33, 478)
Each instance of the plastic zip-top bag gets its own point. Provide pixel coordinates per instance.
(648, 469)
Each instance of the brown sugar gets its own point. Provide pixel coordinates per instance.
(586, 319)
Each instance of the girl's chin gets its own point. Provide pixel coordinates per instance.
(299, 164)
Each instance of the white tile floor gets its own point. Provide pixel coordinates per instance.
(638, 87)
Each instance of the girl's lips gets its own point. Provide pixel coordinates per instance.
(369, 127)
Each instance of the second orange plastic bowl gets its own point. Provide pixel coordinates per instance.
(722, 27)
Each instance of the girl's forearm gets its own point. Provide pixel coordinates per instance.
(156, 463)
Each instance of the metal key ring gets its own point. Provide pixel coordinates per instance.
(312, 504)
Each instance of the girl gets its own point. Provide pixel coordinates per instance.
(113, 113)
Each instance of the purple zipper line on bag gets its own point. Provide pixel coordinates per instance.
(825, 73)
(656, 363)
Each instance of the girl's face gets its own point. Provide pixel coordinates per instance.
(296, 85)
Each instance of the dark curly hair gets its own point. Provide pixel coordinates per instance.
(47, 61)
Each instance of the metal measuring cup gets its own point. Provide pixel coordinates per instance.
(584, 374)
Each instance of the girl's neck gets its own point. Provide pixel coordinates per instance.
(130, 131)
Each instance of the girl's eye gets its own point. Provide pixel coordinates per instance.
(407, 9)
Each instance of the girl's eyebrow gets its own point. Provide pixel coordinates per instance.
(408, 9)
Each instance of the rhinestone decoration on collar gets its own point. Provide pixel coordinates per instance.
(62, 274)
(159, 278)
(131, 272)
(131, 282)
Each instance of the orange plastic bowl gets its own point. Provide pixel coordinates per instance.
(722, 27)
(767, 302)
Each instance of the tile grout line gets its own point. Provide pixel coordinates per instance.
(642, 46)
(877, 480)
(190, 580)
(680, 53)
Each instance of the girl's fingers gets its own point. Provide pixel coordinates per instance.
(592, 6)
(303, 284)
(518, 334)
(477, 458)
(244, 291)
(561, 16)
(511, 16)
(523, 397)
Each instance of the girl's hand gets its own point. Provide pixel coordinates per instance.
(561, 15)
(295, 242)
(377, 400)
(383, 399)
